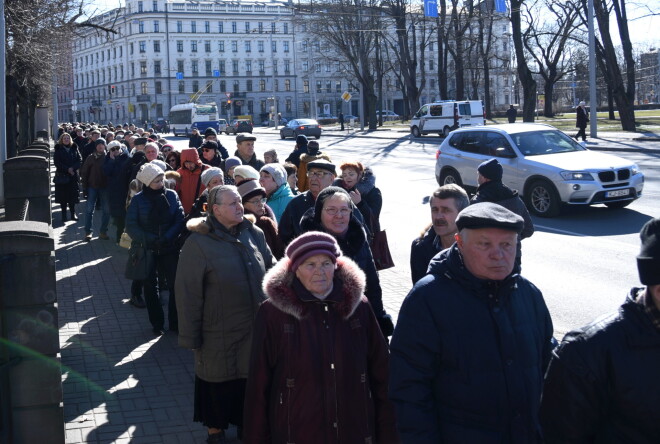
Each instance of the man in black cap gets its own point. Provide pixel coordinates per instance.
(211, 135)
(491, 189)
(602, 385)
(472, 341)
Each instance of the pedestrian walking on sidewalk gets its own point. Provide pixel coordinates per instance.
(67, 160)
(218, 288)
(155, 219)
(581, 120)
(94, 182)
(317, 345)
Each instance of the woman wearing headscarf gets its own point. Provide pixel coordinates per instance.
(319, 362)
(218, 285)
(253, 196)
(67, 160)
(333, 214)
(154, 219)
(360, 183)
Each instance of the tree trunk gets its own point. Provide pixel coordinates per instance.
(610, 103)
(524, 74)
(548, 90)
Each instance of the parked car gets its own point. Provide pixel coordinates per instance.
(388, 115)
(445, 116)
(239, 126)
(546, 166)
(161, 126)
(308, 127)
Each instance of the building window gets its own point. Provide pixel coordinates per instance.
(234, 66)
(338, 86)
(273, 46)
(130, 48)
(328, 86)
(193, 46)
(260, 46)
(432, 83)
(179, 26)
(248, 66)
(207, 64)
(287, 66)
(223, 85)
(221, 27)
(286, 46)
(306, 86)
(140, 7)
(250, 106)
(248, 85)
(158, 88)
(157, 67)
(262, 85)
(207, 27)
(236, 86)
(262, 68)
(275, 66)
(234, 46)
(195, 86)
(247, 27)
(328, 67)
(273, 29)
(287, 85)
(285, 28)
(156, 46)
(143, 46)
(143, 68)
(261, 27)
(154, 6)
(277, 85)
(207, 45)
(234, 29)
(195, 68)
(179, 46)
(431, 65)
(132, 72)
(209, 86)
(319, 86)
(143, 88)
(305, 66)
(248, 46)
(306, 108)
(156, 26)
(304, 46)
(179, 66)
(317, 66)
(221, 46)
(141, 27)
(193, 27)
(287, 105)
(222, 68)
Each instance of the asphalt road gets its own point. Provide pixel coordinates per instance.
(583, 261)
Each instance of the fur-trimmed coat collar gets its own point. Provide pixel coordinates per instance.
(349, 284)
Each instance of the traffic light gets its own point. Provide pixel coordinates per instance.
(228, 106)
(113, 89)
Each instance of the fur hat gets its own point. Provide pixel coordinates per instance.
(148, 172)
(489, 215)
(310, 244)
(210, 173)
(277, 172)
(250, 188)
(491, 169)
(247, 172)
(648, 260)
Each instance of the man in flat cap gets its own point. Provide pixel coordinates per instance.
(602, 385)
(472, 341)
(245, 151)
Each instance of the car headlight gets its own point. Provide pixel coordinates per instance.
(576, 175)
(634, 170)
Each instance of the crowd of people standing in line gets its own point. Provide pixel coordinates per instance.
(275, 289)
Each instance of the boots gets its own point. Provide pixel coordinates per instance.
(137, 301)
(64, 218)
(73, 213)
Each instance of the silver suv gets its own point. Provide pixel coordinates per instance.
(546, 166)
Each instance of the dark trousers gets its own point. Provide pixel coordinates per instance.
(163, 272)
(582, 132)
(120, 224)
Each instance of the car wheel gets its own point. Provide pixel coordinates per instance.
(445, 131)
(318, 137)
(617, 205)
(542, 199)
(415, 132)
(282, 136)
(450, 176)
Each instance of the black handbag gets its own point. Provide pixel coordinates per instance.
(61, 179)
(381, 251)
(139, 263)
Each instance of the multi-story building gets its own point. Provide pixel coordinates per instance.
(254, 53)
(648, 77)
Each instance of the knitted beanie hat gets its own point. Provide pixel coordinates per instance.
(277, 172)
(648, 260)
(210, 173)
(491, 169)
(310, 244)
(148, 172)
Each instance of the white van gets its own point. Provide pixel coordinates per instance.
(447, 115)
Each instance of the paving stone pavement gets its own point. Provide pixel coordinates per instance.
(121, 384)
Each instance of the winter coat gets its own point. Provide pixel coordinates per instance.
(63, 160)
(195, 141)
(495, 191)
(153, 227)
(216, 161)
(372, 199)
(218, 291)
(581, 117)
(279, 200)
(511, 114)
(355, 246)
(191, 185)
(468, 357)
(294, 157)
(87, 150)
(269, 227)
(112, 168)
(289, 223)
(92, 172)
(422, 250)
(318, 370)
(602, 384)
(303, 181)
(253, 162)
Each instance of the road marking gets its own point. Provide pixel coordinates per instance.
(601, 239)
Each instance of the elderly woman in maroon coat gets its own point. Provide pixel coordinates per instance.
(319, 364)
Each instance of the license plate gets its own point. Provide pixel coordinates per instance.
(617, 193)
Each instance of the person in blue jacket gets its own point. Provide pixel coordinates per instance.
(154, 220)
(472, 341)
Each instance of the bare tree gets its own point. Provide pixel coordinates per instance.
(524, 73)
(461, 18)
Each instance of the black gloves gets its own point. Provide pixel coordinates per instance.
(386, 325)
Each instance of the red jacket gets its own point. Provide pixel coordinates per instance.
(190, 186)
(319, 368)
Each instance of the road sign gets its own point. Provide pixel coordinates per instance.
(74, 108)
(228, 95)
(431, 8)
(216, 73)
(346, 97)
(179, 76)
(74, 102)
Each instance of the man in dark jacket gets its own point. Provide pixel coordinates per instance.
(491, 189)
(581, 120)
(511, 114)
(90, 148)
(446, 202)
(602, 384)
(245, 151)
(211, 135)
(472, 341)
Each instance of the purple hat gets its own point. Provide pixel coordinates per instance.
(311, 244)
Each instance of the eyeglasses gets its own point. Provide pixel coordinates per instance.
(341, 211)
(259, 201)
(317, 174)
(114, 148)
(167, 149)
